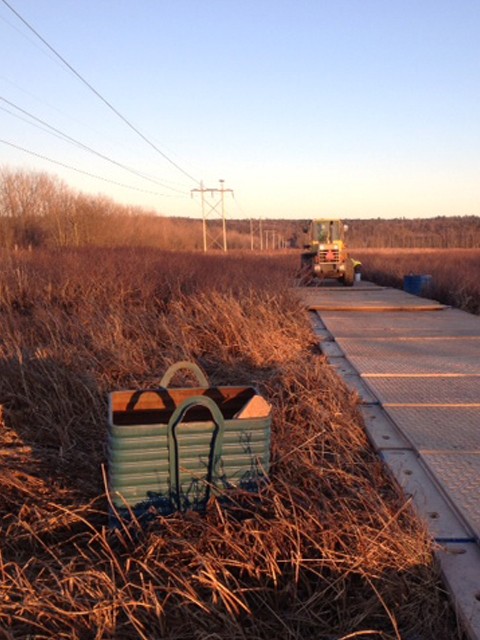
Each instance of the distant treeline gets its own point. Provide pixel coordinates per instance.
(439, 233)
(38, 210)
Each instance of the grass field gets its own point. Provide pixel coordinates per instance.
(455, 272)
(329, 551)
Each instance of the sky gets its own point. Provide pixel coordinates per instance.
(305, 108)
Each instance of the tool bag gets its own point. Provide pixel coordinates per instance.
(171, 448)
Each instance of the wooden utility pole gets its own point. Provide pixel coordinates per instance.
(211, 238)
(256, 238)
(271, 239)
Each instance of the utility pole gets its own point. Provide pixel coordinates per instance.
(256, 232)
(211, 238)
(270, 238)
(224, 223)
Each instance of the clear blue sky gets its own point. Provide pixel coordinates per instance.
(357, 108)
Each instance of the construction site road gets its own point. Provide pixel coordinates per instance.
(415, 365)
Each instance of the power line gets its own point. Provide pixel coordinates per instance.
(75, 119)
(98, 94)
(240, 208)
(84, 146)
(30, 40)
(19, 117)
(86, 173)
(63, 136)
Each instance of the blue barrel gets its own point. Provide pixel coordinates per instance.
(416, 284)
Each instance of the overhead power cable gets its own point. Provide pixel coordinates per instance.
(98, 94)
(240, 208)
(182, 186)
(84, 146)
(86, 173)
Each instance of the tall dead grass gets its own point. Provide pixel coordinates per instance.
(455, 272)
(329, 550)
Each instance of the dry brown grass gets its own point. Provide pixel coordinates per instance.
(330, 549)
(455, 272)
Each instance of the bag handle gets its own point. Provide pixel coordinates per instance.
(215, 443)
(185, 364)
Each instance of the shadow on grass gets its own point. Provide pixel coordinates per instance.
(54, 422)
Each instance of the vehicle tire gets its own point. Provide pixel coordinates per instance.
(307, 260)
(305, 274)
(349, 277)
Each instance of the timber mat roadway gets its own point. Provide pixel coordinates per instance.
(415, 365)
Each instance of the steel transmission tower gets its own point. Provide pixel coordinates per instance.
(212, 238)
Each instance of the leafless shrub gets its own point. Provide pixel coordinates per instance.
(329, 549)
(455, 272)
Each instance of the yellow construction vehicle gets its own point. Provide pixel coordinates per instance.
(325, 253)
